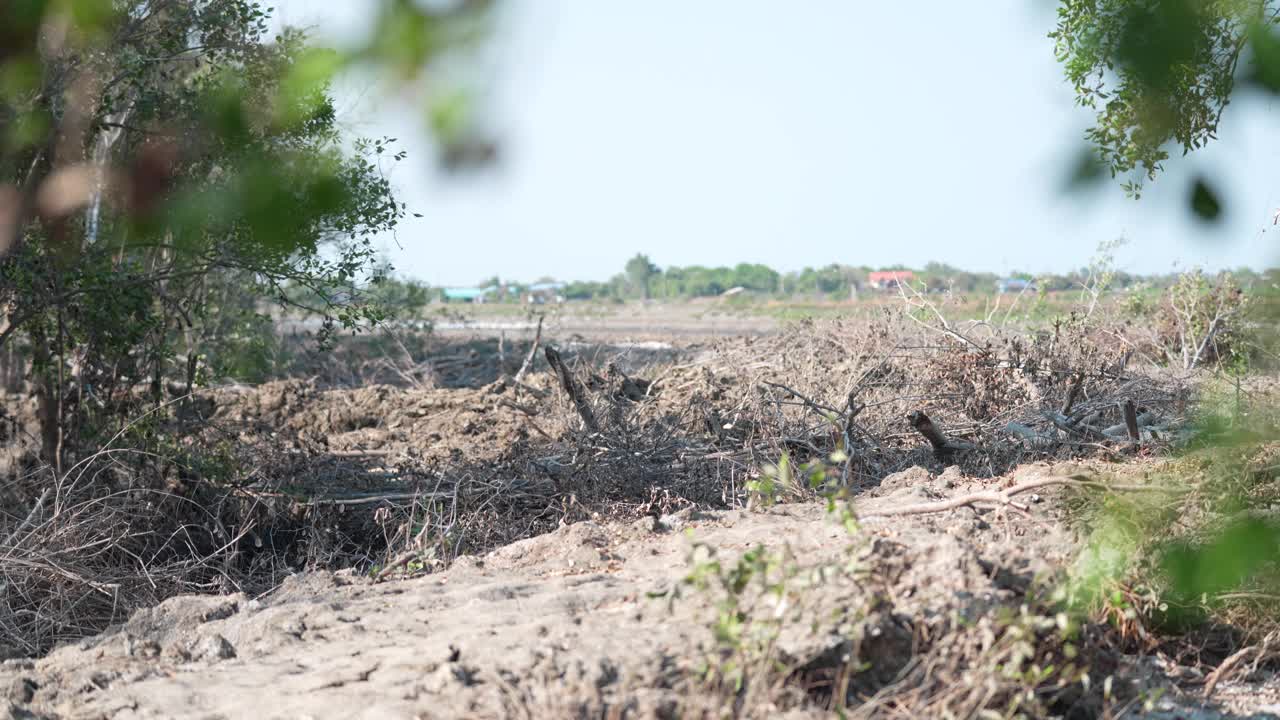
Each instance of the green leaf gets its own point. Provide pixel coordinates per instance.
(303, 91)
(1204, 201)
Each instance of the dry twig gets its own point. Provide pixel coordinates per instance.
(1005, 497)
(533, 353)
(572, 389)
(1260, 652)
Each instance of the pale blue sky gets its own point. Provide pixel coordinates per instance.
(792, 134)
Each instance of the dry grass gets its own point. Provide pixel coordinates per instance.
(464, 470)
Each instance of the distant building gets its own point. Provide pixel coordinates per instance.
(1017, 285)
(889, 279)
(479, 295)
(544, 292)
(474, 295)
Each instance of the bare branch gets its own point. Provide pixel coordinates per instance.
(572, 389)
(533, 353)
(1005, 497)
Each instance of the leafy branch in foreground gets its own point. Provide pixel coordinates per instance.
(1161, 73)
(168, 169)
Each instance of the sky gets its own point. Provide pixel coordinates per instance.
(791, 134)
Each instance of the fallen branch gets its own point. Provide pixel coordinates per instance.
(342, 453)
(1259, 651)
(348, 499)
(1131, 420)
(1123, 429)
(1027, 433)
(944, 327)
(30, 519)
(824, 410)
(572, 389)
(1076, 383)
(1005, 497)
(941, 445)
(1083, 429)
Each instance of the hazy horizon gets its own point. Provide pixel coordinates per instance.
(477, 282)
(730, 132)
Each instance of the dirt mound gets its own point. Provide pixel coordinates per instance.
(432, 424)
(452, 456)
(604, 618)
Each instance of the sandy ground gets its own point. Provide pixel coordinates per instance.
(600, 321)
(600, 617)
(572, 621)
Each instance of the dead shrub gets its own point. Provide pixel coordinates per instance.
(1200, 321)
(254, 483)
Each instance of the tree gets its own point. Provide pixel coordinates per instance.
(1161, 72)
(640, 271)
(163, 166)
(761, 278)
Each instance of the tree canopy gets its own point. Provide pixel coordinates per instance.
(167, 165)
(1159, 74)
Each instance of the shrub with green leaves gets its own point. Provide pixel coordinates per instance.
(173, 169)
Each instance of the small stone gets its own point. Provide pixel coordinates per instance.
(22, 690)
(221, 611)
(214, 647)
(673, 522)
(646, 524)
(950, 477)
(144, 648)
(910, 478)
(177, 653)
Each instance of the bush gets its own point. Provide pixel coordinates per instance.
(1201, 320)
(1197, 321)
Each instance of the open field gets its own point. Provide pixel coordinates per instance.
(654, 513)
(736, 314)
(774, 396)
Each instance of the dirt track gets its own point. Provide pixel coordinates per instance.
(578, 620)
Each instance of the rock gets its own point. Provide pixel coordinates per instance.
(10, 710)
(213, 648)
(178, 617)
(21, 690)
(645, 525)
(949, 477)
(448, 677)
(466, 562)
(912, 477)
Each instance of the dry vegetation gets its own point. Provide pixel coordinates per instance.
(400, 453)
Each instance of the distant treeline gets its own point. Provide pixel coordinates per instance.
(643, 279)
(837, 281)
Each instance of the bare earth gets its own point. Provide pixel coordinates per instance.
(596, 613)
(578, 619)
